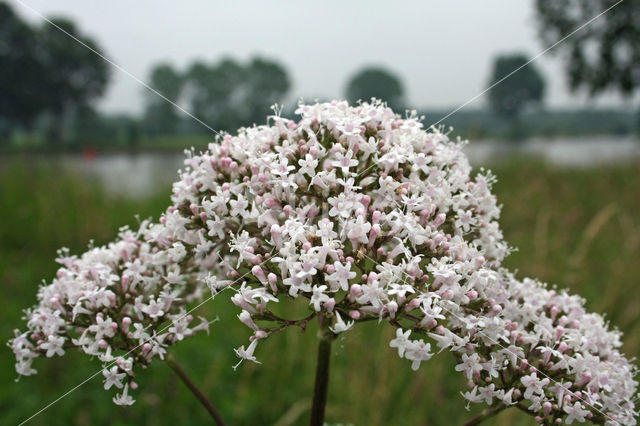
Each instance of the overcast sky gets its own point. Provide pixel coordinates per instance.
(442, 50)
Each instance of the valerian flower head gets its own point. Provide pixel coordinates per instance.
(365, 216)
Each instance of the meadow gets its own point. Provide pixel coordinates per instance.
(579, 228)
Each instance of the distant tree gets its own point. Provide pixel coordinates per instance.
(603, 55)
(378, 83)
(160, 116)
(267, 83)
(44, 71)
(229, 95)
(525, 87)
(21, 74)
(212, 93)
(74, 76)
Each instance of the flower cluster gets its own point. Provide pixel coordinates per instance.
(538, 349)
(366, 216)
(123, 303)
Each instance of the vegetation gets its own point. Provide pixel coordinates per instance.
(601, 56)
(372, 82)
(577, 228)
(45, 75)
(515, 85)
(49, 85)
(225, 95)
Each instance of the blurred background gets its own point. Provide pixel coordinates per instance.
(84, 148)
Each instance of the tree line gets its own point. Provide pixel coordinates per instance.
(49, 83)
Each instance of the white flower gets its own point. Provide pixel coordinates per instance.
(533, 385)
(344, 162)
(308, 165)
(248, 353)
(53, 346)
(318, 296)
(470, 365)
(401, 341)
(575, 412)
(124, 398)
(358, 230)
(339, 279)
(239, 206)
(418, 351)
(113, 378)
(340, 326)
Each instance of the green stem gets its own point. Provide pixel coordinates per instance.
(322, 378)
(489, 412)
(195, 390)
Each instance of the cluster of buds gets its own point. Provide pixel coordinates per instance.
(123, 303)
(366, 216)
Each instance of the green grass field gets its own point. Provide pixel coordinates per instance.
(577, 228)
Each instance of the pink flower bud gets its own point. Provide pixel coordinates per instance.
(373, 233)
(430, 323)
(260, 334)
(447, 294)
(259, 274)
(276, 235)
(413, 304)
(273, 280)
(439, 220)
(146, 348)
(392, 307)
(329, 304)
(356, 290)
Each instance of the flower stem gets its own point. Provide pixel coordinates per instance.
(322, 379)
(195, 390)
(489, 412)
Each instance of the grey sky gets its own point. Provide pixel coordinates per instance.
(441, 49)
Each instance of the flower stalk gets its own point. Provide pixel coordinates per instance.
(487, 413)
(177, 368)
(322, 376)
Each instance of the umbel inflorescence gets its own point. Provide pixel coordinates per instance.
(366, 216)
